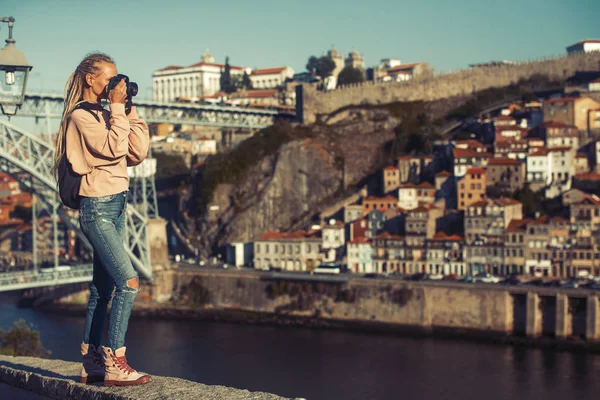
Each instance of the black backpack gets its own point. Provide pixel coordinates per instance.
(68, 180)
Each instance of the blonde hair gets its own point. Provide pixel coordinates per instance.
(74, 96)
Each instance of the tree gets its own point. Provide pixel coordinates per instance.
(322, 66)
(226, 81)
(21, 340)
(350, 75)
(528, 198)
(246, 82)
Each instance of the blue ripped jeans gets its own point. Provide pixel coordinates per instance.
(102, 220)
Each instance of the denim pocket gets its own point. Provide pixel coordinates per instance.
(104, 199)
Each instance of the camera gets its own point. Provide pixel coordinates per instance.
(132, 87)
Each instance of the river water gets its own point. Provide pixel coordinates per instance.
(321, 364)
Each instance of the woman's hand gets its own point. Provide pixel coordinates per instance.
(119, 93)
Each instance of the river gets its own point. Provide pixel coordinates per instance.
(321, 364)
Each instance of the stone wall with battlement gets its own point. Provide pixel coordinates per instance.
(310, 102)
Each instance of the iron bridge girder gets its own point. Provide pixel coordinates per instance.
(51, 106)
(25, 154)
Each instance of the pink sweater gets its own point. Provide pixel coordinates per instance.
(101, 151)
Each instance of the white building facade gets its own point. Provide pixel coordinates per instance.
(192, 82)
(270, 78)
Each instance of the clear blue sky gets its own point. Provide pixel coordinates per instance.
(143, 36)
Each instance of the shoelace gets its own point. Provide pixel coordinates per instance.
(121, 363)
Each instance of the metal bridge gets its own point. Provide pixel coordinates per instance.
(51, 106)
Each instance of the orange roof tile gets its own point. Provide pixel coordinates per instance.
(171, 67)
(540, 152)
(443, 173)
(457, 152)
(360, 240)
(476, 170)
(592, 199)
(391, 168)
(593, 176)
(425, 185)
(581, 155)
(268, 71)
(562, 100)
(518, 225)
(402, 67)
(503, 161)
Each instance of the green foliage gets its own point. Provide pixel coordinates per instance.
(233, 166)
(350, 75)
(322, 66)
(170, 164)
(246, 83)
(226, 81)
(529, 199)
(22, 340)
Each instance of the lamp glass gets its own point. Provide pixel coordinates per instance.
(12, 86)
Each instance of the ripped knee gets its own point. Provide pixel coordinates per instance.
(133, 283)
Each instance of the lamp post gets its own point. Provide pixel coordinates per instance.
(14, 71)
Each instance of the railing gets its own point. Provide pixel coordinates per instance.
(30, 279)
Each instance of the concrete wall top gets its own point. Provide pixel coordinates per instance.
(58, 379)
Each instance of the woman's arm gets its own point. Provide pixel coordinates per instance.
(106, 142)
(139, 139)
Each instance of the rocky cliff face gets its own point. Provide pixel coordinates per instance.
(284, 190)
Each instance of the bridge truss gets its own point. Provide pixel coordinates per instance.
(29, 159)
(39, 105)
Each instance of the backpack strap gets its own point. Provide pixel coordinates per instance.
(87, 106)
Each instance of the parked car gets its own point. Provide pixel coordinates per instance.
(468, 279)
(331, 269)
(436, 277)
(451, 277)
(418, 277)
(572, 284)
(486, 278)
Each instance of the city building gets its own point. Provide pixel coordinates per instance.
(378, 203)
(582, 164)
(412, 168)
(485, 227)
(270, 78)
(389, 253)
(360, 255)
(194, 81)
(581, 112)
(411, 196)
(464, 159)
(445, 255)
(559, 134)
(506, 174)
(472, 187)
(352, 212)
(392, 71)
(298, 251)
(391, 178)
(354, 60)
(585, 46)
(515, 149)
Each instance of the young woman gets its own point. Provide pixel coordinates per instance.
(99, 144)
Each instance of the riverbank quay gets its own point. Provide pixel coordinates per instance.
(57, 379)
(557, 317)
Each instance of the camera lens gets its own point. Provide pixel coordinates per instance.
(132, 89)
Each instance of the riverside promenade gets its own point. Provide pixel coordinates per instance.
(37, 378)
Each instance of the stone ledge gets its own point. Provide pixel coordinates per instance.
(59, 380)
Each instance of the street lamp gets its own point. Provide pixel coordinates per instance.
(16, 70)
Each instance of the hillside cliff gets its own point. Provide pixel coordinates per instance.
(280, 179)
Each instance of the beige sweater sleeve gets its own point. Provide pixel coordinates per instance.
(107, 142)
(139, 139)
